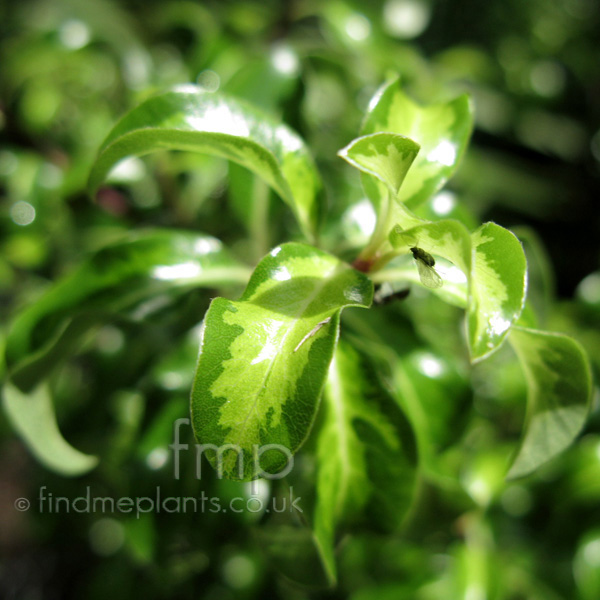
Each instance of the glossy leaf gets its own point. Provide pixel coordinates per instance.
(559, 395)
(453, 291)
(366, 454)
(190, 118)
(32, 416)
(387, 156)
(264, 358)
(436, 399)
(494, 273)
(498, 288)
(441, 130)
(448, 239)
(114, 279)
(540, 276)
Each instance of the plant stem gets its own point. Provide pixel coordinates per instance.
(379, 235)
(260, 215)
(371, 255)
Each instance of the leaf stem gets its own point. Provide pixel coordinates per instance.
(371, 254)
(259, 219)
(379, 233)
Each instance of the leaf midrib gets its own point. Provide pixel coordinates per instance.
(339, 411)
(293, 321)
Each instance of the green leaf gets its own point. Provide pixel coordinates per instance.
(387, 156)
(190, 118)
(453, 291)
(559, 395)
(498, 288)
(366, 454)
(264, 358)
(114, 279)
(441, 130)
(436, 400)
(447, 238)
(493, 278)
(32, 416)
(540, 275)
(253, 215)
(294, 552)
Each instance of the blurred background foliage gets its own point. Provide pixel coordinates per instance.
(69, 69)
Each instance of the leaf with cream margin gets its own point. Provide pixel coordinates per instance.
(498, 288)
(366, 454)
(190, 118)
(114, 279)
(264, 358)
(494, 267)
(32, 416)
(441, 130)
(447, 238)
(558, 399)
(387, 156)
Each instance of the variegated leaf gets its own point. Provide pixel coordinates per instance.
(264, 358)
(492, 278)
(190, 118)
(448, 238)
(441, 130)
(558, 402)
(498, 288)
(387, 156)
(366, 454)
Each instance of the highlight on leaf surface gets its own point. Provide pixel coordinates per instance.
(441, 130)
(559, 394)
(191, 118)
(498, 288)
(386, 156)
(264, 358)
(366, 453)
(447, 238)
(493, 265)
(112, 281)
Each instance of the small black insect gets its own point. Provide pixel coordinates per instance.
(420, 254)
(425, 263)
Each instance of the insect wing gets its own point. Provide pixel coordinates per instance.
(409, 239)
(429, 276)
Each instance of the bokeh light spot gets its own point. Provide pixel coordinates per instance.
(443, 203)
(357, 27)
(74, 34)
(285, 60)
(589, 289)
(106, 536)
(22, 213)
(239, 571)
(429, 365)
(209, 80)
(405, 19)
(547, 78)
(516, 500)
(157, 458)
